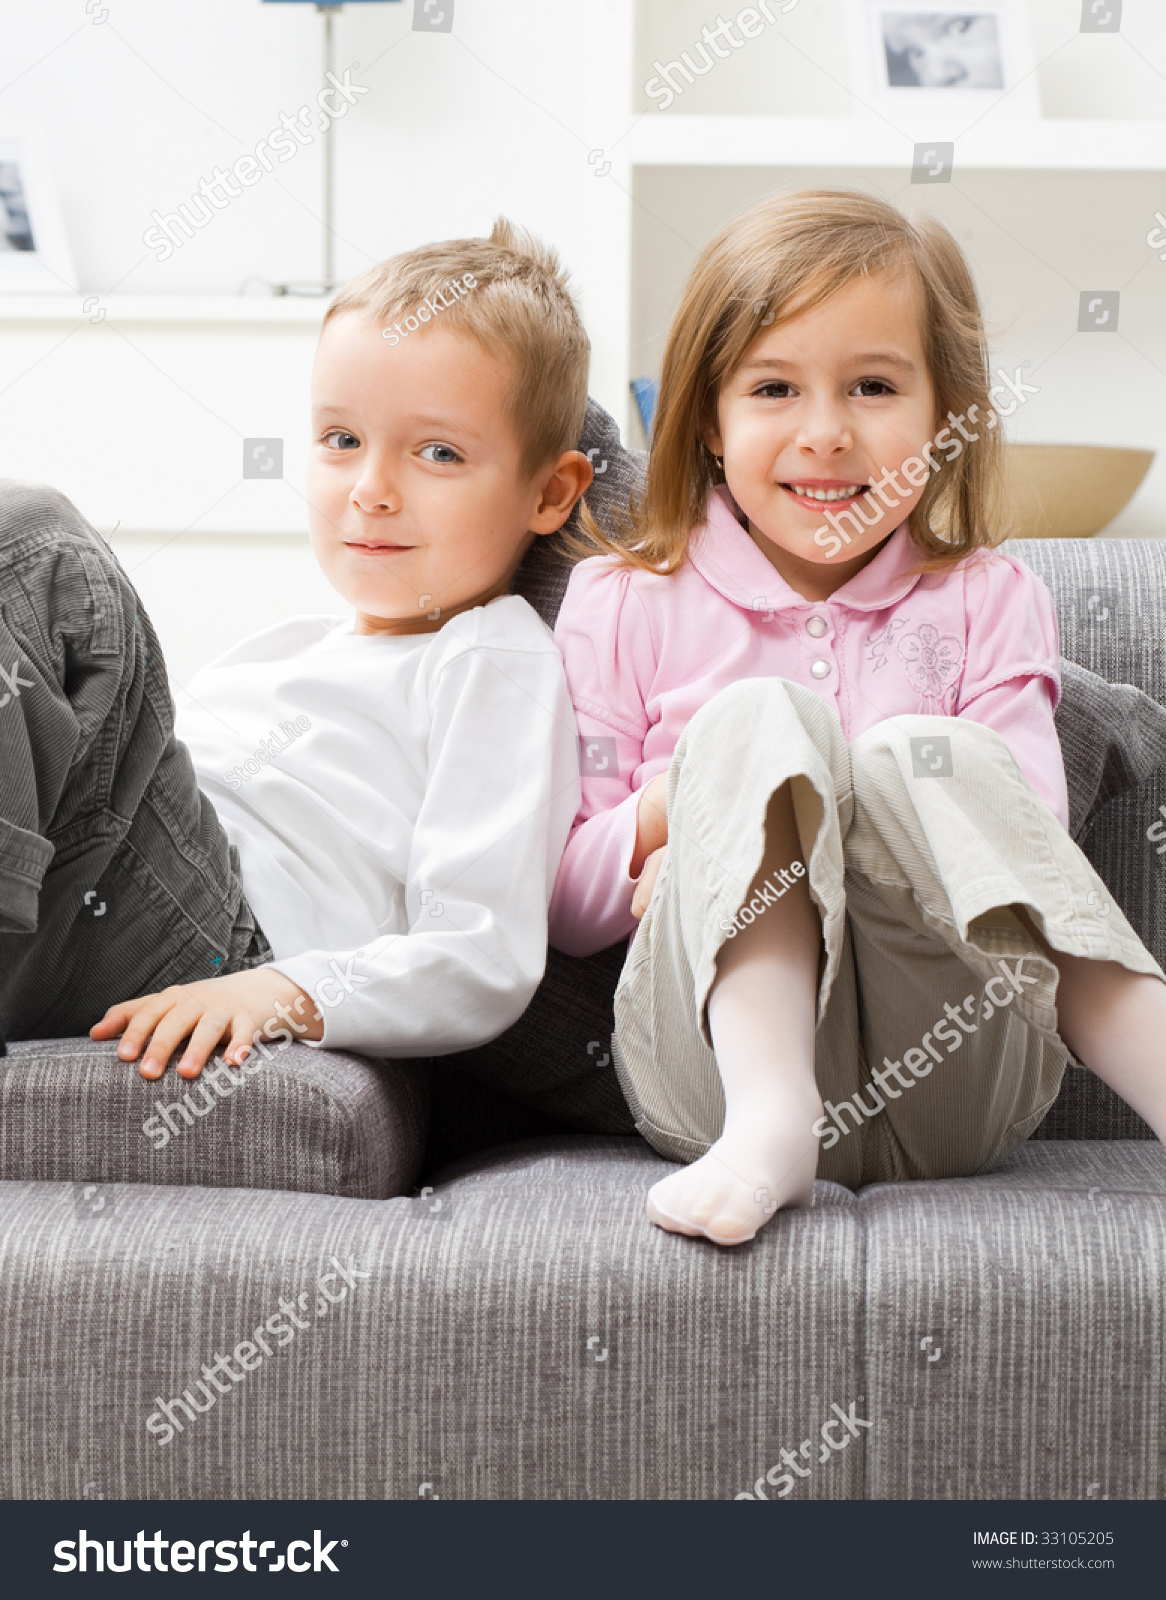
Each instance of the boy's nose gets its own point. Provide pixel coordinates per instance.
(372, 496)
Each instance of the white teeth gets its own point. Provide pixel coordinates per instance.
(810, 493)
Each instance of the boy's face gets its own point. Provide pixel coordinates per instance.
(417, 505)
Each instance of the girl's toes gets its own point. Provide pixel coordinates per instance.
(663, 1218)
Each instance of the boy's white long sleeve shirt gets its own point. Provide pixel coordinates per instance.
(399, 804)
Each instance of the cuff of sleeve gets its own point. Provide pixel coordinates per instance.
(24, 860)
(315, 975)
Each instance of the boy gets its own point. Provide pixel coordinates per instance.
(355, 835)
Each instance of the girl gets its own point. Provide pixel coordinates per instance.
(817, 711)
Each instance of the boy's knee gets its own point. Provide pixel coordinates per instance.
(28, 508)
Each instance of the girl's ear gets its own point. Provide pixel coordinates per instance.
(712, 441)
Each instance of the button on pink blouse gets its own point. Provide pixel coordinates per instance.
(643, 652)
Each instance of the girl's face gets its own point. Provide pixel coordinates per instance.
(822, 407)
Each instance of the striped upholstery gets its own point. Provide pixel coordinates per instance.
(462, 1360)
(318, 1121)
(1042, 1287)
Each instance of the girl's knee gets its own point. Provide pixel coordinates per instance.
(916, 746)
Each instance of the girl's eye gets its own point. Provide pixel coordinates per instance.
(777, 390)
(872, 388)
(338, 439)
(447, 456)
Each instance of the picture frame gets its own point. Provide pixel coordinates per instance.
(35, 257)
(940, 65)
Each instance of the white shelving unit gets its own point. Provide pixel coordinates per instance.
(159, 309)
(673, 140)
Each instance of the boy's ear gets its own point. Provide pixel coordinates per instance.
(570, 476)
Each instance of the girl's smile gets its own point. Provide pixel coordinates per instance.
(813, 493)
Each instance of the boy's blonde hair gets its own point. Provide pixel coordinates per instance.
(520, 310)
(781, 257)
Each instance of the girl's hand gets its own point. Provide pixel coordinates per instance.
(651, 822)
(647, 881)
(241, 1004)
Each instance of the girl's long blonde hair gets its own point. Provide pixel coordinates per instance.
(780, 258)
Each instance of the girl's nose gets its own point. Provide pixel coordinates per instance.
(825, 429)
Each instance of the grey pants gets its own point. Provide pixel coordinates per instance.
(116, 878)
(937, 1049)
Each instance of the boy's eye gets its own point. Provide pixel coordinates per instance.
(445, 457)
(777, 390)
(872, 388)
(338, 439)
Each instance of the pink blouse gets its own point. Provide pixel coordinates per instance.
(644, 652)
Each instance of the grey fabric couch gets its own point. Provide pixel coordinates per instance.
(393, 1280)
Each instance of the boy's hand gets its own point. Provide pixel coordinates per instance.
(647, 881)
(241, 1005)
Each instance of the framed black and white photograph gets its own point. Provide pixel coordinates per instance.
(937, 57)
(15, 228)
(34, 252)
(942, 49)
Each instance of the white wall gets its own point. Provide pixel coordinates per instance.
(455, 128)
(498, 116)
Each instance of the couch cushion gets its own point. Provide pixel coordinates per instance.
(1110, 596)
(457, 1365)
(1086, 1108)
(1013, 1334)
(320, 1121)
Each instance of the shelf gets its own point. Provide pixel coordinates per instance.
(163, 308)
(665, 140)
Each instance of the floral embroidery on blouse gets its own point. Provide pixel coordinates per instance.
(932, 661)
(879, 643)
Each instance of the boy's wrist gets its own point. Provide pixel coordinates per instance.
(289, 997)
